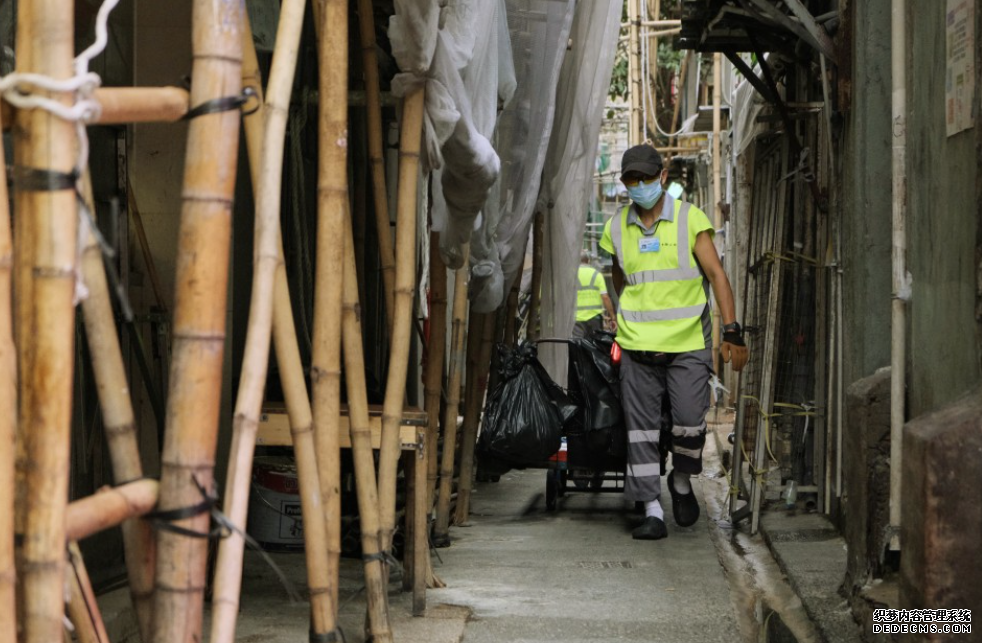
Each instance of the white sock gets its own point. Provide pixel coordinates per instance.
(682, 484)
(653, 509)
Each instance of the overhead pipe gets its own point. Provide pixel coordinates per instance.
(901, 280)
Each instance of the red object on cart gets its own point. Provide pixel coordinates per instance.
(615, 354)
(560, 456)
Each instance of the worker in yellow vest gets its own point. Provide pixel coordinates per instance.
(665, 265)
(594, 310)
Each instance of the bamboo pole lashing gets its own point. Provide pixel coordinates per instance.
(478, 368)
(366, 23)
(402, 328)
(435, 359)
(118, 418)
(48, 143)
(83, 610)
(268, 259)
(361, 444)
(8, 421)
(458, 332)
(193, 405)
(331, 17)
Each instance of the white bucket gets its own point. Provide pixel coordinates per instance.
(275, 518)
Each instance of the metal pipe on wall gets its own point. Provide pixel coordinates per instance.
(901, 285)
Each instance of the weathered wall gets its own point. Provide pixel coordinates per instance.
(866, 205)
(943, 222)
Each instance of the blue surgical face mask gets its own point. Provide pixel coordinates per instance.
(646, 194)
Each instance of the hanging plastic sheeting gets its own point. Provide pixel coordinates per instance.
(747, 105)
(465, 162)
(567, 177)
(524, 127)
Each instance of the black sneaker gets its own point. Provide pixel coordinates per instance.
(685, 507)
(651, 529)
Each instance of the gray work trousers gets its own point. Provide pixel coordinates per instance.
(645, 381)
(586, 328)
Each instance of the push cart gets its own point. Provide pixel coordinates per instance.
(590, 459)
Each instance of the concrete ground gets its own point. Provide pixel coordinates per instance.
(518, 573)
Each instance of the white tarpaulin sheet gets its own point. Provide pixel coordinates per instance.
(567, 177)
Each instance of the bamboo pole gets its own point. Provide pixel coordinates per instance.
(317, 548)
(83, 610)
(188, 460)
(478, 367)
(683, 80)
(435, 354)
(458, 332)
(537, 245)
(8, 421)
(366, 23)
(23, 288)
(48, 143)
(402, 329)
(228, 574)
(118, 418)
(361, 445)
(109, 507)
(331, 16)
(634, 133)
(717, 187)
(127, 105)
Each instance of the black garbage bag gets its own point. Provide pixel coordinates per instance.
(593, 382)
(525, 414)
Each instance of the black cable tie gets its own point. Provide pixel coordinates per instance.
(334, 636)
(223, 104)
(371, 558)
(33, 179)
(173, 515)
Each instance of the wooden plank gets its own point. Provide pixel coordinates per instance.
(274, 428)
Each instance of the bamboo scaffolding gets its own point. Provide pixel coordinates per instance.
(361, 446)
(118, 418)
(458, 332)
(48, 143)
(266, 259)
(188, 460)
(83, 610)
(292, 379)
(8, 421)
(402, 329)
(109, 507)
(435, 354)
(366, 23)
(331, 16)
(478, 369)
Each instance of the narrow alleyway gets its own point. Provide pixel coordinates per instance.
(575, 575)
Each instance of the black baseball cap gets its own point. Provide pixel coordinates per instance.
(641, 158)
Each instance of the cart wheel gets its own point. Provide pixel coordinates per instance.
(563, 476)
(597, 481)
(551, 489)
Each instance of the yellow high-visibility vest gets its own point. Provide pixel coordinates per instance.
(589, 288)
(665, 302)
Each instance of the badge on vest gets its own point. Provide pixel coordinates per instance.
(649, 244)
